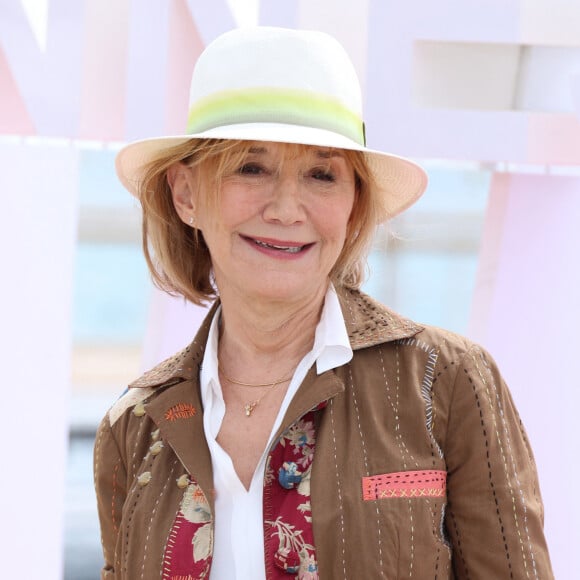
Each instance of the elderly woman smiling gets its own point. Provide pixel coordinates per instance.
(307, 430)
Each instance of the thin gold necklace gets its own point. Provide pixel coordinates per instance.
(251, 405)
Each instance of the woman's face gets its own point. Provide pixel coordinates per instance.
(281, 221)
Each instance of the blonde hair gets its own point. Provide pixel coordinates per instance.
(177, 255)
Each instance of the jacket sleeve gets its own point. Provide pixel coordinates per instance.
(110, 486)
(494, 515)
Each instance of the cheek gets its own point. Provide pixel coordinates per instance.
(237, 204)
(333, 227)
(339, 215)
(216, 215)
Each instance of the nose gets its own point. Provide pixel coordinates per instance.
(286, 203)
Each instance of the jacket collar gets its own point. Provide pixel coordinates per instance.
(368, 323)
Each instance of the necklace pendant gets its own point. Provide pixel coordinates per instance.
(249, 407)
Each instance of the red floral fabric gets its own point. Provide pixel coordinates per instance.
(289, 542)
(190, 543)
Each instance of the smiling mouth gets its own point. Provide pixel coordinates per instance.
(280, 248)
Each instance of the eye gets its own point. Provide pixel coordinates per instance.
(251, 169)
(323, 174)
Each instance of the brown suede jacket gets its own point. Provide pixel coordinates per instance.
(421, 467)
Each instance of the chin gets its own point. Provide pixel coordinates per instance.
(283, 289)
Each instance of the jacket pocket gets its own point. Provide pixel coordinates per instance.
(427, 483)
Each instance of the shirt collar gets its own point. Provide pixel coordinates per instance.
(331, 343)
(209, 373)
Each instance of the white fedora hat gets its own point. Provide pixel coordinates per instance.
(282, 85)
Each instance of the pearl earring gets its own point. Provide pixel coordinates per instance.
(191, 220)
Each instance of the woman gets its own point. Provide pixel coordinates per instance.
(307, 429)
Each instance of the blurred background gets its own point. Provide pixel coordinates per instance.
(486, 96)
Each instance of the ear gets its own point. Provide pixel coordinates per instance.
(181, 181)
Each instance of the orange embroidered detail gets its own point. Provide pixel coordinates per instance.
(405, 484)
(180, 411)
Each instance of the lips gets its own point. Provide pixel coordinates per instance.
(288, 249)
(279, 246)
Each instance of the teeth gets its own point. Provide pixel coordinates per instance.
(290, 250)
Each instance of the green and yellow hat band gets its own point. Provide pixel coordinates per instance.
(271, 105)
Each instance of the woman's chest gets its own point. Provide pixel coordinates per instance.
(243, 436)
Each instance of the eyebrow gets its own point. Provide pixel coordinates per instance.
(258, 150)
(320, 153)
(328, 154)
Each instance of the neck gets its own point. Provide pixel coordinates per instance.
(261, 341)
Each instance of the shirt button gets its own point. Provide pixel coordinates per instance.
(287, 560)
(288, 475)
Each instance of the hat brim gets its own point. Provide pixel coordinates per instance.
(400, 182)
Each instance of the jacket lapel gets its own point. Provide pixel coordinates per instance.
(314, 391)
(178, 413)
(177, 409)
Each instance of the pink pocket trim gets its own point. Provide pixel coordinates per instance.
(405, 484)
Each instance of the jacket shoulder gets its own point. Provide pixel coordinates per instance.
(434, 337)
(131, 398)
(182, 366)
(449, 345)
